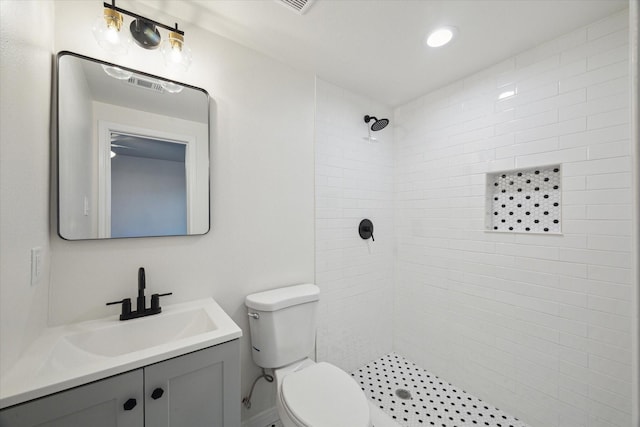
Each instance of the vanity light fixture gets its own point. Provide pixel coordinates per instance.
(108, 34)
(441, 36)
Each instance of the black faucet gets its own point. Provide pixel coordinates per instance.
(141, 309)
(140, 301)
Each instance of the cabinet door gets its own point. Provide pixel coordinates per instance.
(98, 404)
(199, 389)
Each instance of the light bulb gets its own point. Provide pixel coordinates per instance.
(175, 52)
(106, 30)
(176, 55)
(112, 35)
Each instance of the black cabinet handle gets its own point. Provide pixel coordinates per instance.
(130, 404)
(157, 393)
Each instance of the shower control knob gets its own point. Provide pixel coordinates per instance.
(365, 229)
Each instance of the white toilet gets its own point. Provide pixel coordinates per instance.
(283, 327)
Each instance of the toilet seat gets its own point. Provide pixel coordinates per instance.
(323, 395)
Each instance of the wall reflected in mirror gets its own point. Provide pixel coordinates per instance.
(148, 187)
(133, 153)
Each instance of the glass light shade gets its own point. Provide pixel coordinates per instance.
(106, 30)
(171, 87)
(117, 72)
(175, 53)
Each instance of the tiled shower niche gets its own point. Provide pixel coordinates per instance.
(525, 200)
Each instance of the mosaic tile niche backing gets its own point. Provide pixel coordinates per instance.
(524, 200)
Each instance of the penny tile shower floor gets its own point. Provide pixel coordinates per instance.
(430, 401)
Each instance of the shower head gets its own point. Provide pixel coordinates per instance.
(377, 124)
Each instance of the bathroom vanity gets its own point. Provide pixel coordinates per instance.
(179, 368)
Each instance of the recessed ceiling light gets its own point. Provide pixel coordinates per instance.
(441, 36)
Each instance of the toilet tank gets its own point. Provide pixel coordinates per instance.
(283, 324)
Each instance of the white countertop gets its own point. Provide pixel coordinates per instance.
(56, 360)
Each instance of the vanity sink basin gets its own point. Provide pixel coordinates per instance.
(117, 338)
(71, 355)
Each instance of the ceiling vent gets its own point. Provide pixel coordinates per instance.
(299, 6)
(145, 84)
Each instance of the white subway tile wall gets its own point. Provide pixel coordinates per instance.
(538, 325)
(354, 180)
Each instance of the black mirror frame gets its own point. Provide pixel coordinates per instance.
(55, 104)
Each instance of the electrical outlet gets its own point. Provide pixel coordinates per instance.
(36, 265)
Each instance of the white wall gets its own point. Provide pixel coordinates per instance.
(25, 80)
(262, 229)
(354, 180)
(537, 325)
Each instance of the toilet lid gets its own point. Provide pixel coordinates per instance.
(324, 395)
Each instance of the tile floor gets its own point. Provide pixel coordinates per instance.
(426, 400)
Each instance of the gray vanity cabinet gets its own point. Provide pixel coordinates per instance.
(98, 404)
(199, 389)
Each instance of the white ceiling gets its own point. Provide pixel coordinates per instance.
(376, 47)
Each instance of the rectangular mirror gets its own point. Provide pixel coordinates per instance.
(133, 153)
